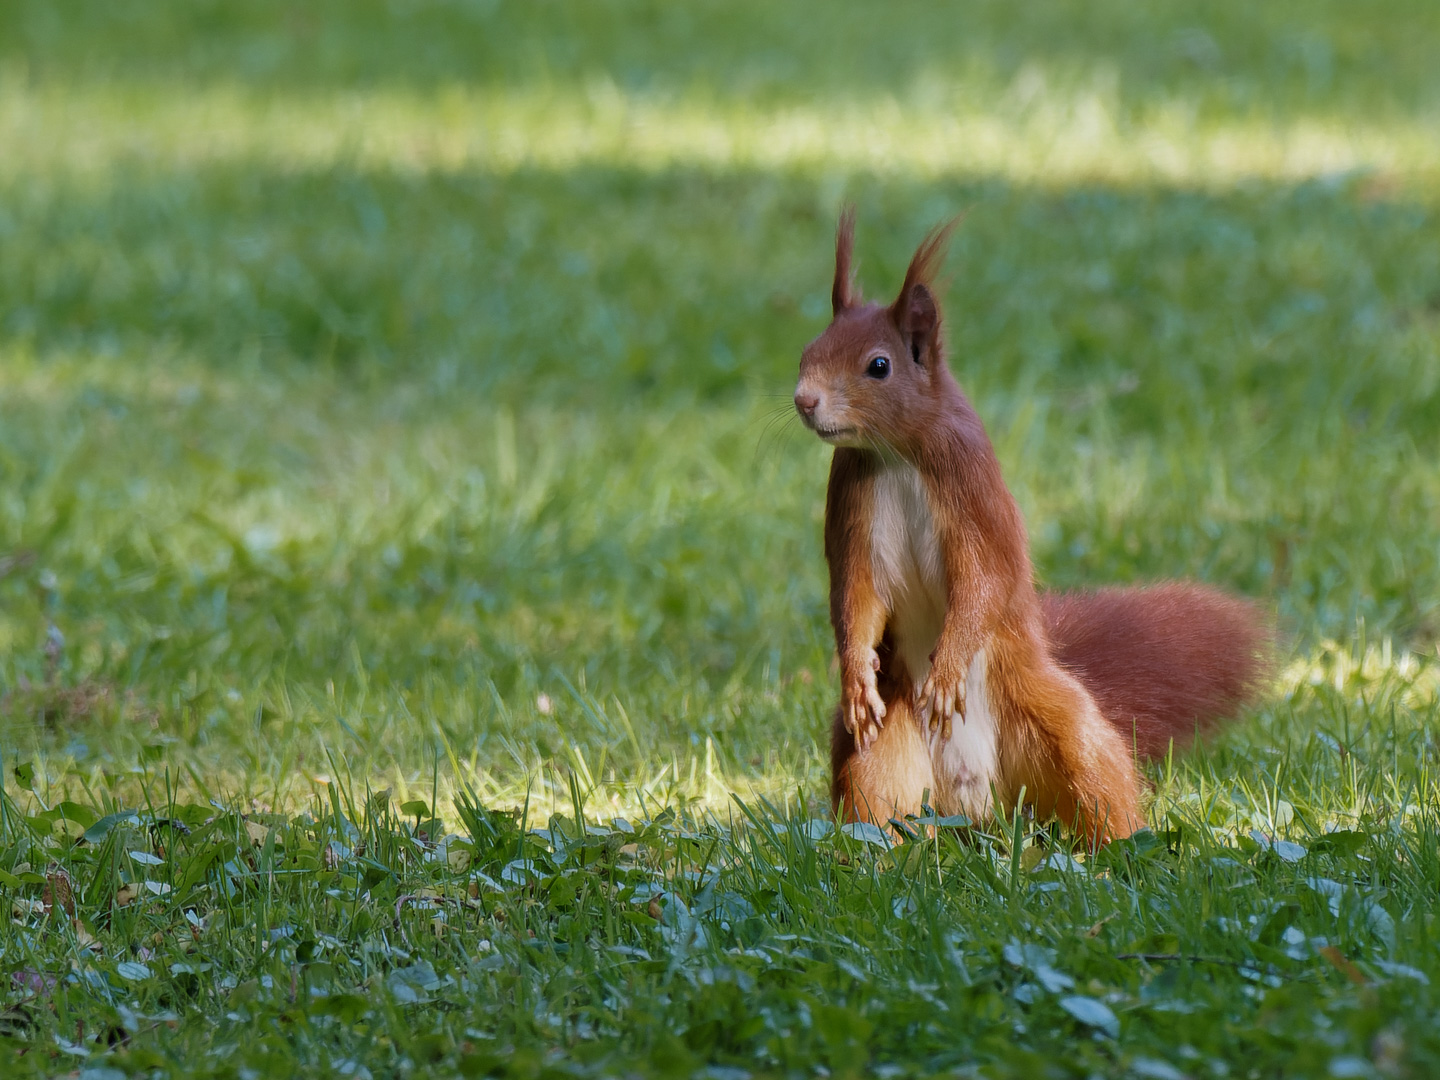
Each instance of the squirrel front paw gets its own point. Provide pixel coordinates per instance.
(942, 697)
(861, 707)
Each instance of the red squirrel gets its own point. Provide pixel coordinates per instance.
(957, 676)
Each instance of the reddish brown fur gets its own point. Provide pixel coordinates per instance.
(1074, 683)
(1164, 663)
(843, 293)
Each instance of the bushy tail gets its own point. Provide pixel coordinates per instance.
(1164, 662)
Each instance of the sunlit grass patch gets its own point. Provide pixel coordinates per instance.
(1325, 741)
(1030, 132)
(1324, 755)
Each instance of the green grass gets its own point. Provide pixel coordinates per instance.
(394, 462)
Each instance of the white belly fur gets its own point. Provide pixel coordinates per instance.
(909, 576)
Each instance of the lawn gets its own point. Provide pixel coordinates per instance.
(414, 656)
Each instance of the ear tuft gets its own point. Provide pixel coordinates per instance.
(844, 295)
(916, 312)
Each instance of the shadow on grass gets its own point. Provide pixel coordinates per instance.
(1284, 59)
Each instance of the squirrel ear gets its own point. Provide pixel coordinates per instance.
(844, 295)
(918, 317)
(916, 312)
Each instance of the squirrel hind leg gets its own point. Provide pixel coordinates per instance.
(890, 779)
(1076, 767)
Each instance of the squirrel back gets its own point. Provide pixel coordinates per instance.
(1163, 663)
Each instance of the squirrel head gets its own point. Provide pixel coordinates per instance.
(877, 371)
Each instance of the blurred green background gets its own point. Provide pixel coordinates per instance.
(374, 376)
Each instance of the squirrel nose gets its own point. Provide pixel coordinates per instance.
(806, 403)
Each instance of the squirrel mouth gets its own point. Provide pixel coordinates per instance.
(831, 434)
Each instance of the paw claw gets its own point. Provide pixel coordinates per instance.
(941, 699)
(862, 707)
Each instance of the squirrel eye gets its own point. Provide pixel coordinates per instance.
(879, 367)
